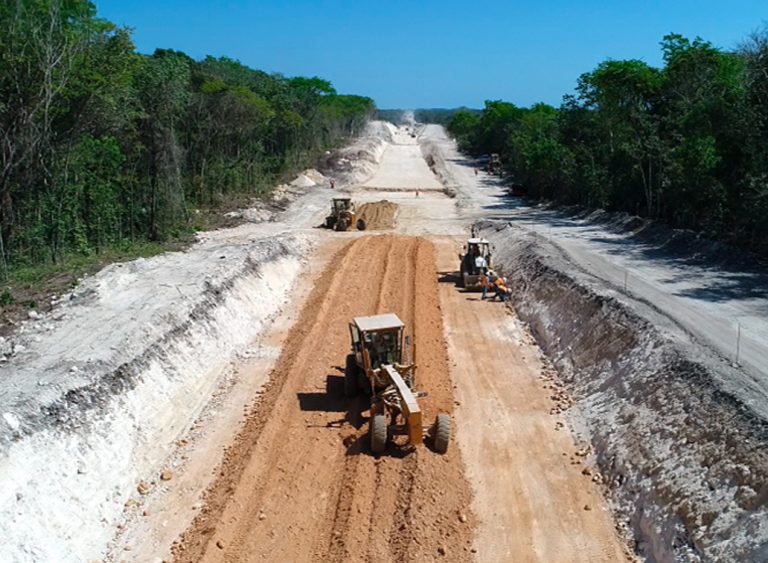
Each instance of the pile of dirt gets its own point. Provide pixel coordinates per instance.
(685, 462)
(436, 162)
(309, 177)
(378, 214)
(357, 162)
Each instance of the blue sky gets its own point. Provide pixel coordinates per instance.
(411, 54)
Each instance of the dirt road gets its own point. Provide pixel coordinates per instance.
(299, 483)
(531, 493)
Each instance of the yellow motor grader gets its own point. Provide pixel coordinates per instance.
(379, 367)
(343, 215)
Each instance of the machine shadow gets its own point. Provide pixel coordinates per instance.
(355, 411)
(448, 277)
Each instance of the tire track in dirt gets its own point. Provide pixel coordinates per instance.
(298, 483)
(343, 510)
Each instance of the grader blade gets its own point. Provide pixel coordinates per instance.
(410, 407)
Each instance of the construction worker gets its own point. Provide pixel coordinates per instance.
(502, 291)
(485, 282)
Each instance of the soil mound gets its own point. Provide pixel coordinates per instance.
(378, 214)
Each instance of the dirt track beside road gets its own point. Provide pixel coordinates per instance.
(534, 491)
(299, 482)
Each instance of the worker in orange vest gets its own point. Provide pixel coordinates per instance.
(502, 291)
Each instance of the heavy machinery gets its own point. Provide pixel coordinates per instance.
(470, 264)
(494, 165)
(381, 365)
(343, 215)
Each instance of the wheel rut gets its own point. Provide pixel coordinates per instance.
(299, 482)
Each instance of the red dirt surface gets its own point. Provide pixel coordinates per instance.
(299, 482)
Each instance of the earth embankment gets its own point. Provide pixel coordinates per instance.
(684, 462)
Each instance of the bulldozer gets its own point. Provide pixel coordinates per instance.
(469, 272)
(382, 367)
(343, 215)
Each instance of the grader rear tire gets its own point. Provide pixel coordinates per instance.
(361, 225)
(351, 387)
(378, 433)
(442, 434)
(342, 225)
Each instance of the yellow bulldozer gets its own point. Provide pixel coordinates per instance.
(381, 366)
(343, 215)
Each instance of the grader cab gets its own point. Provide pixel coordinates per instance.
(343, 215)
(381, 365)
(476, 257)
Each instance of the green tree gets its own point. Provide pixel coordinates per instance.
(163, 86)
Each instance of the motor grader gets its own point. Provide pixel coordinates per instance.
(381, 366)
(343, 215)
(469, 270)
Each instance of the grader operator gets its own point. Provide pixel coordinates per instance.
(343, 215)
(381, 366)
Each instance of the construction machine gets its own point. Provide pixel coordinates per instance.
(475, 257)
(381, 365)
(343, 215)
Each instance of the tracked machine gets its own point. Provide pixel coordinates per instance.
(381, 366)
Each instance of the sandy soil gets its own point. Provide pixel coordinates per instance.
(533, 491)
(644, 331)
(378, 214)
(299, 483)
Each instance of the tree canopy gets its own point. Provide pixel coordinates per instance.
(686, 143)
(103, 146)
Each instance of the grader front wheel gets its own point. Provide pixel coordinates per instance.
(378, 433)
